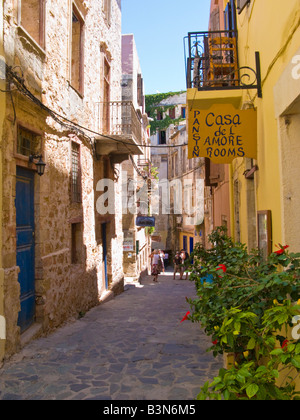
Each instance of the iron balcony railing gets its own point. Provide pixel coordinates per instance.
(118, 119)
(212, 62)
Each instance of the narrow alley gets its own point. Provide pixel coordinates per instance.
(133, 347)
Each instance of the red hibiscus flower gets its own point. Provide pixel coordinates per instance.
(222, 267)
(215, 342)
(281, 249)
(284, 344)
(185, 317)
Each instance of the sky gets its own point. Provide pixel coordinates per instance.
(159, 27)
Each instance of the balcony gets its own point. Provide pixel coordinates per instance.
(120, 130)
(212, 63)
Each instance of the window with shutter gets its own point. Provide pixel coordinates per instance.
(172, 113)
(28, 143)
(230, 16)
(32, 19)
(107, 10)
(77, 51)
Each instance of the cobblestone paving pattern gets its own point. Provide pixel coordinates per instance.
(131, 348)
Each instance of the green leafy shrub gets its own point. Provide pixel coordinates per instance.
(247, 308)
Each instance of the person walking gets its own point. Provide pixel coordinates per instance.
(177, 264)
(184, 256)
(166, 259)
(155, 270)
(162, 257)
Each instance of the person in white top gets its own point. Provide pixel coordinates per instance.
(155, 264)
(162, 257)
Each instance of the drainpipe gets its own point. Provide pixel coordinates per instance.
(2, 113)
(231, 201)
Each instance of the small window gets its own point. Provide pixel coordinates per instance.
(183, 112)
(176, 165)
(77, 243)
(162, 137)
(77, 51)
(172, 113)
(140, 91)
(230, 17)
(184, 160)
(107, 10)
(75, 173)
(159, 116)
(28, 143)
(32, 19)
(106, 96)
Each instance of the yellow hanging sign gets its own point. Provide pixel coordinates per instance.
(222, 133)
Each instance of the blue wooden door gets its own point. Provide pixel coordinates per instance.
(25, 245)
(191, 247)
(104, 245)
(191, 244)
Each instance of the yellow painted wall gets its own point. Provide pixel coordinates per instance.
(272, 28)
(2, 113)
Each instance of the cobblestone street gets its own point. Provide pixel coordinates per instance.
(130, 348)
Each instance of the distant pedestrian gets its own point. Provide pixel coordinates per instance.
(162, 256)
(177, 264)
(155, 259)
(184, 257)
(166, 260)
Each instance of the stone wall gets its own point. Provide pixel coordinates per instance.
(63, 288)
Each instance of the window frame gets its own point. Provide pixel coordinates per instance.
(162, 138)
(107, 11)
(172, 113)
(41, 43)
(76, 193)
(33, 132)
(80, 88)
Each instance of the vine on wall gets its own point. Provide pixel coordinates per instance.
(153, 107)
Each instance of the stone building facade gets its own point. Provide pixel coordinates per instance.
(174, 107)
(137, 241)
(181, 180)
(64, 71)
(186, 184)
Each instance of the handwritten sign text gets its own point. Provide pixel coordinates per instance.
(222, 133)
